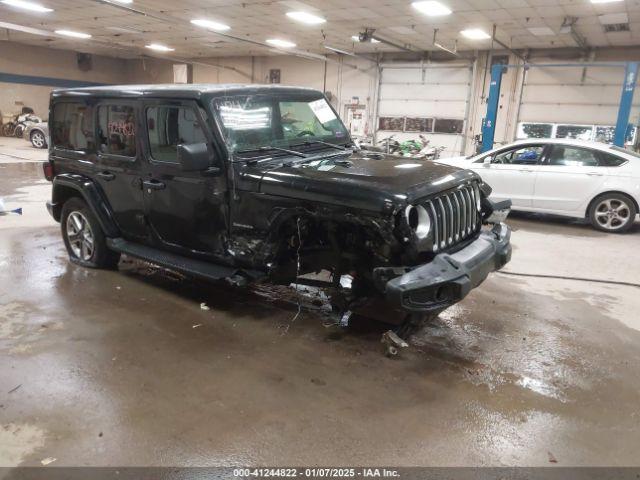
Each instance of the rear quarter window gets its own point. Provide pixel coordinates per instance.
(609, 160)
(73, 127)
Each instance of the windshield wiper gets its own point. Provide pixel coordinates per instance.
(270, 149)
(311, 142)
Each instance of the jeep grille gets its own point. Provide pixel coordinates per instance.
(455, 215)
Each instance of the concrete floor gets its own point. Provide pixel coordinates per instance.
(125, 368)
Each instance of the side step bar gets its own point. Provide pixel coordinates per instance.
(188, 266)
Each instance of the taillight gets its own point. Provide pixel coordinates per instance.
(47, 168)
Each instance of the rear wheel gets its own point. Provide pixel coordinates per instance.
(612, 212)
(84, 238)
(18, 131)
(7, 129)
(38, 140)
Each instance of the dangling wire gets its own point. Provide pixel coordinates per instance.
(298, 299)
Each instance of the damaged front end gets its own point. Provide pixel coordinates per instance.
(420, 257)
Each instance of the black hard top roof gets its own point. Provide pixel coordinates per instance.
(178, 90)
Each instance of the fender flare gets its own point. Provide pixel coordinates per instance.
(86, 189)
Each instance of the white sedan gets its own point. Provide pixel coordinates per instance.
(564, 177)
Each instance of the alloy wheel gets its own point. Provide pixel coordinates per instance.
(80, 236)
(37, 139)
(612, 214)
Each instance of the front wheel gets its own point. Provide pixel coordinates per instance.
(612, 212)
(19, 131)
(84, 238)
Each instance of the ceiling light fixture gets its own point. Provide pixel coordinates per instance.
(541, 31)
(606, 1)
(71, 33)
(305, 17)
(356, 38)
(339, 50)
(276, 42)
(210, 24)
(124, 1)
(432, 8)
(475, 34)
(159, 48)
(34, 7)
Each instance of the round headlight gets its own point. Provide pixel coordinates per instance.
(419, 221)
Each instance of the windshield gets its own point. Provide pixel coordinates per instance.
(257, 121)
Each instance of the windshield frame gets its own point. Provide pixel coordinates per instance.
(275, 98)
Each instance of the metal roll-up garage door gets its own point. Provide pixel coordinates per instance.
(432, 100)
(572, 102)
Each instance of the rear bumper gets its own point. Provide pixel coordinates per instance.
(449, 278)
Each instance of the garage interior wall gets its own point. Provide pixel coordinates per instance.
(559, 95)
(36, 71)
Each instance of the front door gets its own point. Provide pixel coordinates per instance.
(568, 178)
(511, 173)
(185, 210)
(118, 165)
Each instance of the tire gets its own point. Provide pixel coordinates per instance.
(85, 241)
(38, 140)
(18, 131)
(7, 129)
(612, 212)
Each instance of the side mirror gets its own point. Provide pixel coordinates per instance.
(194, 157)
(487, 161)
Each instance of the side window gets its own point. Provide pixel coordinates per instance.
(573, 157)
(73, 127)
(526, 155)
(169, 127)
(608, 160)
(117, 130)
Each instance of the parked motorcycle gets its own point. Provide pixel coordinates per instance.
(16, 126)
(420, 149)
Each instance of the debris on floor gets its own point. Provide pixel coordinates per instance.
(14, 389)
(344, 319)
(4, 211)
(392, 343)
(197, 325)
(47, 461)
(204, 306)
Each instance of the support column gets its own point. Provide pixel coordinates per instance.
(628, 88)
(489, 124)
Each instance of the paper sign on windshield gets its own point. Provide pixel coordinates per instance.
(322, 110)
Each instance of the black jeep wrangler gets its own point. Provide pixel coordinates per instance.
(262, 183)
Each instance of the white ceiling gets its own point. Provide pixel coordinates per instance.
(119, 32)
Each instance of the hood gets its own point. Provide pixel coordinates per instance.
(361, 180)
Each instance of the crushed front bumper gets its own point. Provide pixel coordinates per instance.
(449, 277)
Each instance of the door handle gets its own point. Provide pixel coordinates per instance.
(107, 176)
(526, 171)
(594, 174)
(153, 185)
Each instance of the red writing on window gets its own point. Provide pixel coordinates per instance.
(128, 129)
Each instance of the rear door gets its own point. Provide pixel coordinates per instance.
(511, 173)
(569, 177)
(185, 210)
(118, 164)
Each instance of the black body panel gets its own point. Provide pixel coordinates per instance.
(275, 215)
